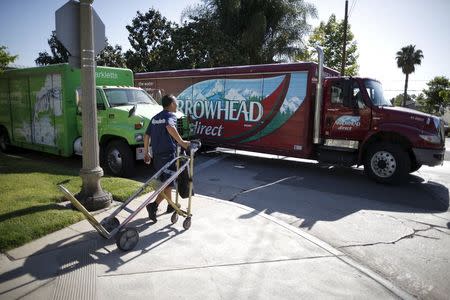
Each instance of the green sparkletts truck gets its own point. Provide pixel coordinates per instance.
(40, 109)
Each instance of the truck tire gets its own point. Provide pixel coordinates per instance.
(4, 141)
(387, 163)
(118, 159)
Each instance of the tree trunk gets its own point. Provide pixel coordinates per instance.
(405, 95)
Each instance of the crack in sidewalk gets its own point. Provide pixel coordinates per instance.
(408, 236)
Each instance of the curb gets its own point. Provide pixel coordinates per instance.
(327, 247)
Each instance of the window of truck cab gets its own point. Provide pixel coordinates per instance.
(375, 93)
(127, 96)
(337, 93)
(98, 96)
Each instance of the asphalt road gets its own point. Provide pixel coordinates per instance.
(401, 232)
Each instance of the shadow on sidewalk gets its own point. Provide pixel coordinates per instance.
(74, 253)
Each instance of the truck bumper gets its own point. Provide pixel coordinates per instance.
(429, 157)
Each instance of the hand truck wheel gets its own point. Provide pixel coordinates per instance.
(187, 223)
(127, 239)
(174, 217)
(110, 224)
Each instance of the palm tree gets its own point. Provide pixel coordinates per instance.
(407, 58)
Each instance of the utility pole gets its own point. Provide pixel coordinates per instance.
(92, 195)
(345, 39)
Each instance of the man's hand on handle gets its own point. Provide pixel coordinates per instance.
(185, 144)
(147, 158)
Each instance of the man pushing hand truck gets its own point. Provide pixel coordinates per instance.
(160, 144)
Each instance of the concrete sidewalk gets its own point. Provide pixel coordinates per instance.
(230, 252)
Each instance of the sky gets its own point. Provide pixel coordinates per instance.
(381, 28)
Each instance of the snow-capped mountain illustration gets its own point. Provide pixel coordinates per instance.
(249, 93)
(233, 94)
(214, 87)
(231, 89)
(290, 105)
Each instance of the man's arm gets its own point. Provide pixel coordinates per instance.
(147, 156)
(174, 133)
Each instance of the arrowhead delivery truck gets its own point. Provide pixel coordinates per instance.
(304, 110)
(40, 109)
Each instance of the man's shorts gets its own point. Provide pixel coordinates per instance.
(159, 161)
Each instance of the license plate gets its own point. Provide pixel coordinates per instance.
(140, 153)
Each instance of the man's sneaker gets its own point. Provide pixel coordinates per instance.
(151, 209)
(170, 209)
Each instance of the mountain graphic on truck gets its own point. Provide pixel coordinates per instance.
(259, 105)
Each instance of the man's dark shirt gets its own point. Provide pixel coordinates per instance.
(161, 141)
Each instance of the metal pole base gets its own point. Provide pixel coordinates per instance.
(92, 196)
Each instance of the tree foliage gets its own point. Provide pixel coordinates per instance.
(435, 99)
(59, 53)
(262, 31)
(201, 44)
(330, 36)
(407, 58)
(398, 100)
(150, 39)
(5, 58)
(110, 56)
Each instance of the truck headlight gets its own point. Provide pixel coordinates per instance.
(431, 138)
(138, 137)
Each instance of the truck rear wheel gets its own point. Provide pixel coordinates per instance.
(4, 141)
(118, 159)
(387, 163)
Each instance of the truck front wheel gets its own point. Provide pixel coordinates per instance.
(387, 163)
(118, 159)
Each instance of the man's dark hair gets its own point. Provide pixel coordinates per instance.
(167, 100)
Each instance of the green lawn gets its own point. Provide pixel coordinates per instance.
(29, 193)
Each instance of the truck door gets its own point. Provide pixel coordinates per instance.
(346, 115)
(102, 117)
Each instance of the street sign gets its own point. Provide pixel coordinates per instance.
(68, 30)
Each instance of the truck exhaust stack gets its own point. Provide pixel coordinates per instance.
(318, 108)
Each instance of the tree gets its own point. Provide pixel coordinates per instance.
(5, 58)
(111, 56)
(407, 58)
(445, 95)
(398, 100)
(436, 95)
(263, 31)
(59, 53)
(330, 36)
(150, 40)
(201, 44)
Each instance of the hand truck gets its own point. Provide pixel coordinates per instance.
(128, 237)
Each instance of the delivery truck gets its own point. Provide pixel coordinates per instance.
(40, 109)
(304, 110)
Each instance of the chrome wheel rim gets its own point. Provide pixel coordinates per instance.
(115, 161)
(383, 164)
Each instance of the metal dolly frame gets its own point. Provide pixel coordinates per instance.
(128, 237)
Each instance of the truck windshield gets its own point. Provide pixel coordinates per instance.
(375, 92)
(121, 96)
